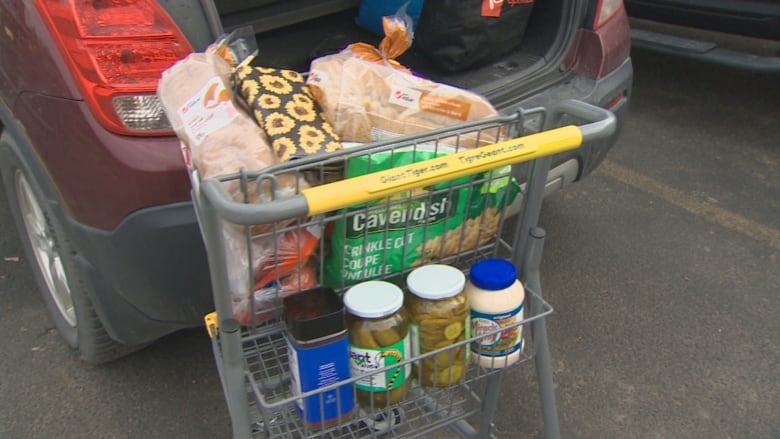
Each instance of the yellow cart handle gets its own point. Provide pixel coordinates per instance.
(321, 199)
(600, 123)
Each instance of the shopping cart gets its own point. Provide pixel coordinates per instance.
(252, 357)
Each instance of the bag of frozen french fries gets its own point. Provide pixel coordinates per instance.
(416, 227)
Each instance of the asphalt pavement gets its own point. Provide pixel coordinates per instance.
(662, 268)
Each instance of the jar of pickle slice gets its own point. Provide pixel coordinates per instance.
(440, 319)
(378, 329)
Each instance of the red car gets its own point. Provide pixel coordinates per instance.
(94, 174)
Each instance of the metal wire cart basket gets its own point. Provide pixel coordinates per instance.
(409, 192)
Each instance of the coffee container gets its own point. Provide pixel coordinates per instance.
(318, 352)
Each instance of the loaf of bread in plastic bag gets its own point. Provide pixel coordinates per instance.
(219, 136)
(365, 101)
(367, 96)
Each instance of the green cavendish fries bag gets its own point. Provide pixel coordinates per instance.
(413, 228)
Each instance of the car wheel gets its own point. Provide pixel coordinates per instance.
(54, 265)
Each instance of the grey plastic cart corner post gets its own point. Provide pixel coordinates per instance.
(539, 333)
(230, 364)
(530, 241)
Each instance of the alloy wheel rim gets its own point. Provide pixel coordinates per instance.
(47, 256)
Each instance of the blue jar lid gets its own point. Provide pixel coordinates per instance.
(493, 274)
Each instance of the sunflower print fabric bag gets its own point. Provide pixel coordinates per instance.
(285, 109)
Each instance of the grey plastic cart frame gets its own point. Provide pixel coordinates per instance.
(251, 358)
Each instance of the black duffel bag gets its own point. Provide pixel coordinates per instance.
(460, 34)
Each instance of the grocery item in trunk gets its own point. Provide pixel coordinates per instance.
(458, 35)
(371, 13)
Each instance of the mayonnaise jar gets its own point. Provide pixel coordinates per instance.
(496, 297)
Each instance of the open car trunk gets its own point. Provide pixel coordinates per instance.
(291, 33)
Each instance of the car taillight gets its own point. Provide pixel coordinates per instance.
(605, 10)
(117, 50)
(597, 52)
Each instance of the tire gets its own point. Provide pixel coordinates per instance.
(53, 262)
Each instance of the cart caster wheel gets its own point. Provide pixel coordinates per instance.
(385, 420)
(257, 428)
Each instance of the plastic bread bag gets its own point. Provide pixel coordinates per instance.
(268, 299)
(277, 263)
(199, 105)
(237, 47)
(371, 12)
(218, 137)
(368, 96)
(292, 248)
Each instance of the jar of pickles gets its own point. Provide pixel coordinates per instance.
(378, 329)
(440, 318)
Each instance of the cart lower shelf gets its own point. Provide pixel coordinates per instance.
(417, 416)
(273, 412)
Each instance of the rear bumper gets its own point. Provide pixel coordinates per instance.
(613, 91)
(149, 275)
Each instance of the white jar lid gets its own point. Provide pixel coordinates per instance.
(373, 299)
(435, 281)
